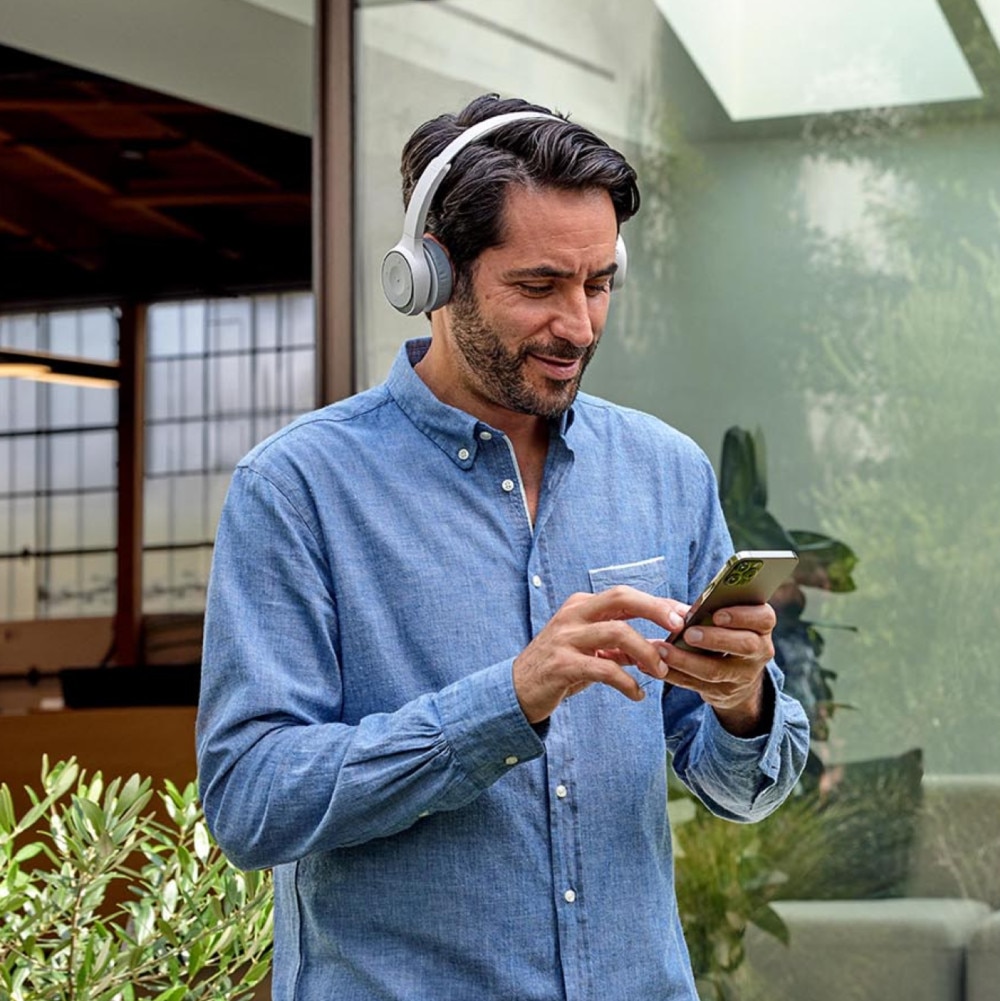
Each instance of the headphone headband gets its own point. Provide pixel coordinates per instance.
(434, 173)
(416, 273)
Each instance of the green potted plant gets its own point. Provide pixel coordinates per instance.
(824, 563)
(101, 900)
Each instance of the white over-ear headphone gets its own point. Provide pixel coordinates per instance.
(416, 273)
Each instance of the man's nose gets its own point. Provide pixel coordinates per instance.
(573, 322)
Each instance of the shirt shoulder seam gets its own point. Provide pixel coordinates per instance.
(248, 467)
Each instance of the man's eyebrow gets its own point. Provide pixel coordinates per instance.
(546, 271)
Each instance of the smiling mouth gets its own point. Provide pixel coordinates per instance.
(559, 369)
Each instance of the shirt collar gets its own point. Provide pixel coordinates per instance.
(454, 431)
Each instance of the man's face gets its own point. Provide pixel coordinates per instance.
(528, 323)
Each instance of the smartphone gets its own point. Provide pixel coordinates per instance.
(749, 577)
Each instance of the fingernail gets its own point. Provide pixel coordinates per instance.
(664, 652)
(694, 635)
(722, 618)
(675, 620)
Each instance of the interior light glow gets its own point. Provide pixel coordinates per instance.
(18, 370)
(39, 366)
(66, 379)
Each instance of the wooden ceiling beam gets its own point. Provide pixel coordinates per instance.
(52, 228)
(54, 163)
(196, 146)
(167, 222)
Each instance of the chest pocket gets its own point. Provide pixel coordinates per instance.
(645, 575)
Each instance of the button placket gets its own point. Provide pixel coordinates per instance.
(565, 841)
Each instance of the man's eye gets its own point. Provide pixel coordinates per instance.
(530, 288)
(600, 289)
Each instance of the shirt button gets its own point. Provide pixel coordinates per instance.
(507, 485)
(561, 791)
(511, 759)
(463, 454)
(569, 896)
(536, 580)
(485, 436)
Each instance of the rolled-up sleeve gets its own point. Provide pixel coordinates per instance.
(738, 778)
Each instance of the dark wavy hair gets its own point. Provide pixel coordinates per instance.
(467, 212)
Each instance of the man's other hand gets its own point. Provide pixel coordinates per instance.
(588, 641)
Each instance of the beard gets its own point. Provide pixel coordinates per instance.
(499, 374)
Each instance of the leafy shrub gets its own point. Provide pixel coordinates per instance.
(102, 901)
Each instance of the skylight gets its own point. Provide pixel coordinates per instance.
(776, 58)
(991, 12)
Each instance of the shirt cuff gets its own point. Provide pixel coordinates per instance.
(762, 752)
(484, 725)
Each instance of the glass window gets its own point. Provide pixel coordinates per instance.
(216, 386)
(228, 376)
(220, 376)
(59, 471)
(24, 471)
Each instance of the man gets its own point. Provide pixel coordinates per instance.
(434, 694)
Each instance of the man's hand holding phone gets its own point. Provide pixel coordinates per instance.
(725, 645)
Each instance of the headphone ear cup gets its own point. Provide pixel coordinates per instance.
(399, 280)
(439, 267)
(621, 259)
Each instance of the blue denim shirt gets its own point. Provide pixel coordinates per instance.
(375, 574)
